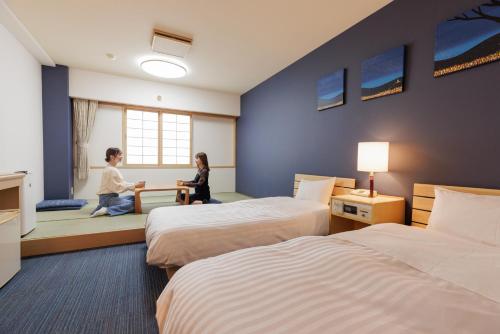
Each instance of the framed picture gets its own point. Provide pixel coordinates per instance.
(383, 74)
(330, 90)
(468, 40)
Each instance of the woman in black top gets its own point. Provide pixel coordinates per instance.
(200, 183)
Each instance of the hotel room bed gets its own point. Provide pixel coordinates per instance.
(179, 235)
(384, 279)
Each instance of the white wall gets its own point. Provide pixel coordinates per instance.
(21, 136)
(213, 135)
(217, 138)
(112, 88)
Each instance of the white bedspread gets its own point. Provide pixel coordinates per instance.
(355, 282)
(179, 235)
(472, 265)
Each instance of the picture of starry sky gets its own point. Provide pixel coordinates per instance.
(383, 74)
(330, 90)
(467, 40)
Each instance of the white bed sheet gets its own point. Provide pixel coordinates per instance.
(179, 235)
(381, 279)
(472, 265)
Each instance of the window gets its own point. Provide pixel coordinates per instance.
(144, 133)
(176, 139)
(142, 137)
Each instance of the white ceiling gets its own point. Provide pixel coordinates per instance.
(236, 44)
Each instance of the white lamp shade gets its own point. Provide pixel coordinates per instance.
(373, 157)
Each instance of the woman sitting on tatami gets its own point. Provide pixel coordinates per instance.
(200, 183)
(112, 184)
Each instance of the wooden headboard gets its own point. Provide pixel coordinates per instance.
(342, 185)
(423, 200)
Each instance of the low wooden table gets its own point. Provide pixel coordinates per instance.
(138, 191)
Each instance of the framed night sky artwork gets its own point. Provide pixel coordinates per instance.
(330, 90)
(468, 40)
(383, 74)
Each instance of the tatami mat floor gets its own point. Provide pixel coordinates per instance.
(76, 222)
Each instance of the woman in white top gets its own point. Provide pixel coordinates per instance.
(112, 184)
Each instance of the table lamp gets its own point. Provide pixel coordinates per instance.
(373, 157)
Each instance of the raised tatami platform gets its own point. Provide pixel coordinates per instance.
(62, 231)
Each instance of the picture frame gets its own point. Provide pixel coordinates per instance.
(467, 40)
(383, 74)
(331, 90)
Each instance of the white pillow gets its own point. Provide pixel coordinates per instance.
(318, 191)
(476, 217)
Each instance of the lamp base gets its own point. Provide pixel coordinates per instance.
(372, 184)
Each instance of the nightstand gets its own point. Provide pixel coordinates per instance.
(351, 212)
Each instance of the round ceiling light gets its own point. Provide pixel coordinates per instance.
(163, 68)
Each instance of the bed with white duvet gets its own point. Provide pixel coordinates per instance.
(387, 278)
(179, 235)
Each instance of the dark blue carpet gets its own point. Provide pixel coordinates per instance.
(107, 290)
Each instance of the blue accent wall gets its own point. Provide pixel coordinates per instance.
(57, 133)
(442, 130)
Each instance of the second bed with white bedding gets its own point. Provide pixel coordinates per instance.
(382, 279)
(179, 235)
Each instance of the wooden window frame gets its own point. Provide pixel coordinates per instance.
(160, 163)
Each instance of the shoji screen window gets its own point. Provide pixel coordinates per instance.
(142, 137)
(176, 139)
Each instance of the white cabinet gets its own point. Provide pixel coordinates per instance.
(10, 245)
(27, 206)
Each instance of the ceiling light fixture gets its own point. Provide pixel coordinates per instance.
(163, 68)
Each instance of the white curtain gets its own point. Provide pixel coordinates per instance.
(83, 121)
